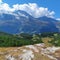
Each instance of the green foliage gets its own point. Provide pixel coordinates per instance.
(8, 40)
(36, 38)
(56, 40)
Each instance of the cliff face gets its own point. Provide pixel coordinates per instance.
(30, 52)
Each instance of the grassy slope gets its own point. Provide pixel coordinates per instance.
(8, 40)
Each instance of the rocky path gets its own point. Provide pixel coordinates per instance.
(30, 52)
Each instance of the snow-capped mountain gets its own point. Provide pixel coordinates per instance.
(20, 21)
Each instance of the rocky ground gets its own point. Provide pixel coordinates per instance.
(30, 52)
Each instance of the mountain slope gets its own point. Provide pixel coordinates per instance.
(21, 22)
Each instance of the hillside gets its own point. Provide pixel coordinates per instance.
(17, 40)
(21, 22)
(10, 40)
(45, 46)
(30, 52)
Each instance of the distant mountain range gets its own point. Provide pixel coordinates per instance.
(21, 22)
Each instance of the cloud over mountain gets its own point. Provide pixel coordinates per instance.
(58, 19)
(31, 8)
(18, 19)
(34, 10)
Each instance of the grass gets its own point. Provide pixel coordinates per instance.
(46, 41)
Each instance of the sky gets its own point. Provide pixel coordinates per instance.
(45, 7)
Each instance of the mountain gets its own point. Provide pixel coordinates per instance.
(21, 22)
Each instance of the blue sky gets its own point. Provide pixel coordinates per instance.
(53, 5)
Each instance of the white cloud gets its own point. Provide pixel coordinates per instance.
(5, 8)
(0, 1)
(58, 19)
(31, 8)
(34, 10)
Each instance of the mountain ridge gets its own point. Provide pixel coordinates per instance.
(21, 22)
